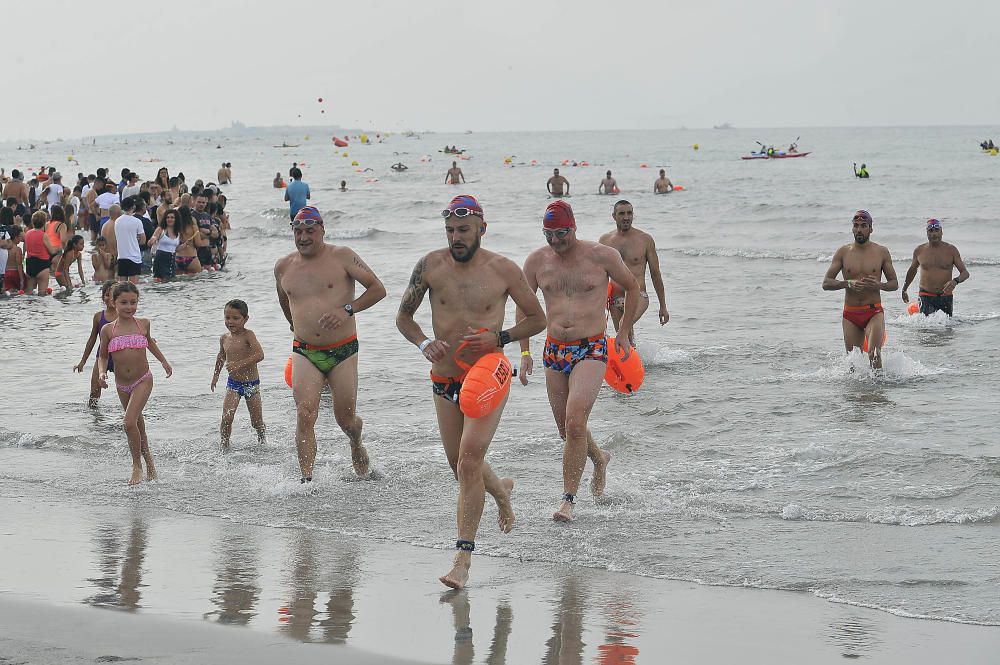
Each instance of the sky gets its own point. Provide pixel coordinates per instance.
(499, 66)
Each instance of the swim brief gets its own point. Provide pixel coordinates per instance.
(34, 266)
(619, 302)
(246, 389)
(325, 358)
(12, 280)
(564, 356)
(184, 262)
(933, 302)
(448, 387)
(860, 315)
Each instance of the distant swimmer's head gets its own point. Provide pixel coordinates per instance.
(464, 225)
(861, 226)
(623, 215)
(555, 172)
(309, 230)
(608, 174)
(663, 173)
(934, 231)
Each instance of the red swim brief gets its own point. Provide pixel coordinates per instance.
(862, 314)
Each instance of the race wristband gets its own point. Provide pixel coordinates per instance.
(525, 354)
(424, 344)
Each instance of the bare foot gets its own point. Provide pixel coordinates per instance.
(359, 458)
(136, 476)
(565, 512)
(600, 478)
(459, 573)
(505, 511)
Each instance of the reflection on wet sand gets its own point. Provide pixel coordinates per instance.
(855, 636)
(565, 647)
(309, 573)
(622, 625)
(464, 653)
(120, 572)
(236, 589)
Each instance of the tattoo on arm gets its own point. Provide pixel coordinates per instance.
(361, 264)
(415, 290)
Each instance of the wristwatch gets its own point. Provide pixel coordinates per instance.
(349, 309)
(503, 338)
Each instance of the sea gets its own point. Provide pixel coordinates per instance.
(756, 453)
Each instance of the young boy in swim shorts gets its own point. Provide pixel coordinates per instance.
(240, 352)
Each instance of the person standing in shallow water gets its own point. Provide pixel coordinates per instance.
(125, 340)
(557, 185)
(240, 353)
(315, 287)
(937, 261)
(469, 287)
(863, 263)
(573, 275)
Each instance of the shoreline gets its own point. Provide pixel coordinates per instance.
(167, 574)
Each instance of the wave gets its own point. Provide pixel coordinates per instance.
(802, 255)
(897, 515)
(940, 321)
(283, 232)
(282, 213)
(897, 367)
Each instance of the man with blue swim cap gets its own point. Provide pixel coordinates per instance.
(470, 288)
(316, 291)
(937, 261)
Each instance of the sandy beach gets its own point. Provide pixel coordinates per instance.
(203, 589)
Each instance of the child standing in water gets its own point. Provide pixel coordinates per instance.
(101, 319)
(240, 352)
(126, 340)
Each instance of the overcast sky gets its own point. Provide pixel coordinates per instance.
(74, 69)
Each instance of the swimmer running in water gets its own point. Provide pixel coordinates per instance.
(453, 175)
(240, 352)
(638, 250)
(101, 318)
(125, 340)
(663, 184)
(573, 275)
(937, 261)
(469, 288)
(608, 185)
(557, 185)
(863, 263)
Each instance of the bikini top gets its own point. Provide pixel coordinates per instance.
(132, 341)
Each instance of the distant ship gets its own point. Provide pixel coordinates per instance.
(724, 125)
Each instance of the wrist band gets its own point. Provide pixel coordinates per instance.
(525, 354)
(424, 344)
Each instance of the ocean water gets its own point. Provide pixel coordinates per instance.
(756, 454)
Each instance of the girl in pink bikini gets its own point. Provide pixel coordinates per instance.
(126, 340)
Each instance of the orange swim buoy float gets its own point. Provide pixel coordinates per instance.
(625, 376)
(288, 372)
(913, 308)
(486, 383)
(885, 336)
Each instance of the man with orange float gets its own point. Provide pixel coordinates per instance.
(316, 292)
(608, 185)
(863, 263)
(638, 250)
(937, 261)
(557, 185)
(573, 276)
(469, 288)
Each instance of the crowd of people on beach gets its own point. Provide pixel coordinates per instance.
(161, 227)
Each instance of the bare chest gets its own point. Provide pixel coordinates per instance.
(475, 297)
(559, 281)
(935, 259)
(860, 264)
(307, 282)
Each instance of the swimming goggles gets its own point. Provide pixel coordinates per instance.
(556, 233)
(308, 223)
(460, 212)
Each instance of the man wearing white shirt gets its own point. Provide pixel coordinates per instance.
(130, 238)
(107, 196)
(54, 191)
(133, 186)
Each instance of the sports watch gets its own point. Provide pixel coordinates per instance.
(349, 309)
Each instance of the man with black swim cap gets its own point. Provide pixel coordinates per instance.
(937, 261)
(469, 287)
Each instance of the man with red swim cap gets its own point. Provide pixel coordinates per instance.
(573, 275)
(469, 288)
(937, 261)
(863, 264)
(316, 286)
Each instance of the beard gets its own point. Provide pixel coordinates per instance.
(470, 251)
(861, 239)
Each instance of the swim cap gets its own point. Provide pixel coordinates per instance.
(863, 216)
(933, 225)
(309, 213)
(559, 215)
(466, 201)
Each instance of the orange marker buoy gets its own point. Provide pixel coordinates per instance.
(885, 336)
(288, 372)
(643, 166)
(678, 188)
(485, 385)
(625, 376)
(913, 308)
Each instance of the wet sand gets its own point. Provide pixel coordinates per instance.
(296, 595)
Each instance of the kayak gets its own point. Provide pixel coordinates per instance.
(777, 155)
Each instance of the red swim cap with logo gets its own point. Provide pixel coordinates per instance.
(559, 215)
